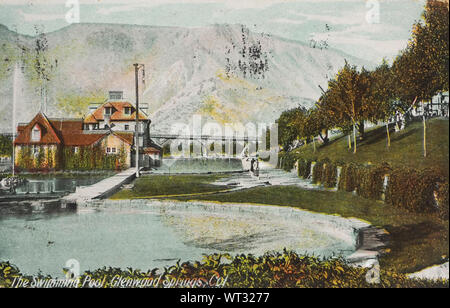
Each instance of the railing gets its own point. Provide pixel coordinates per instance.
(203, 137)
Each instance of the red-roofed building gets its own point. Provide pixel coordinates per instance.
(45, 143)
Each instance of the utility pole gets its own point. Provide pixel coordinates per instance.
(137, 132)
(15, 97)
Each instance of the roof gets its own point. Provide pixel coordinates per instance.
(127, 137)
(58, 131)
(48, 134)
(118, 112)
(71, 132)
(150, 150)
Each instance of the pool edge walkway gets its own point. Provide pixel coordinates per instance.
(102, 189)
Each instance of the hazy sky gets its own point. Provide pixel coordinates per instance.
(370, 29)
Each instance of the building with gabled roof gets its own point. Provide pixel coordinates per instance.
(108, 134)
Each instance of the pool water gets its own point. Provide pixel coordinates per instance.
(158, 233)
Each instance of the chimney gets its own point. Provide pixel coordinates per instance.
(93, 107)
(115, 95)
(107, 118)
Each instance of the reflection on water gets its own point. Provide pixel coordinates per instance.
(55, 184)
(159, 232)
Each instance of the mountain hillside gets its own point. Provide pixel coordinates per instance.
(223, 72)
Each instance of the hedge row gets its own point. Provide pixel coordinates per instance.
(348, 177)
(317, 172)
(329, 175)
(304, 168)
(286, 161)
(326, 173)
(413, 190)
(442, 199)
(370, 181)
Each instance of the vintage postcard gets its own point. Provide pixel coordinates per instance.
(203, 145)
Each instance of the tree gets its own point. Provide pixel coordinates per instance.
(6, 146)
(421, 70)
(309, 127)
(323, 118)
(348, 95)
(290, 123)
(382, 96)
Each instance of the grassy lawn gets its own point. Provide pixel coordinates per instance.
(150, 186)
(406, 147)
(416, 240)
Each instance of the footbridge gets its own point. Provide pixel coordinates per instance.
(164, 138)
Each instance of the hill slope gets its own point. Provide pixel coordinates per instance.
(406, 147)
(223, 72)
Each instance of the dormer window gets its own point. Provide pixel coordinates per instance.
(108, 110)
(127, 110)
(36, 133)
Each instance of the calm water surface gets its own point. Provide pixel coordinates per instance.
(146, 237)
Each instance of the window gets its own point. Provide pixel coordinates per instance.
(75, 150)
(127, 127)
(127, 110)
(110, 150)
(35, 133)
(108, 110)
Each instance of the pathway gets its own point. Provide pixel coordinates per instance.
(433, 272)
(101, 189)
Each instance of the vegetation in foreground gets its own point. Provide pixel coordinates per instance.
(275, 270)
(167, 185)
(416, 241)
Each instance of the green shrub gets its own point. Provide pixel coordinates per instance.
(6, 146)
(317, 172)
(442, 199)
(370, 180)
(287, 161)
(89, 158)
(412, 190)
(25, 158)
(272, 270)
(329, 175)
(304, 168)
(348, 177)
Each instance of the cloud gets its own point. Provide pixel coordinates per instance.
(350, 18)
(237, 4)
(117, 9)
(359, 41)
(287, 21)
(30, 17)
